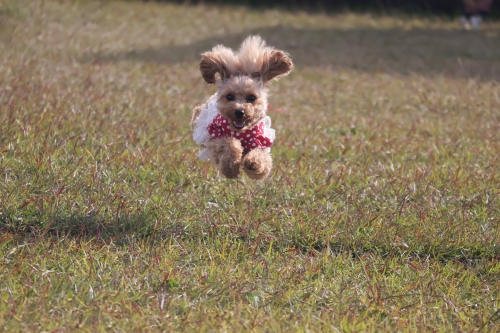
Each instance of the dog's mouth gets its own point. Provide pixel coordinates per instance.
(239, 124)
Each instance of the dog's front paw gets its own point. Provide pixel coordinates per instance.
(230, 159)
(257, 164)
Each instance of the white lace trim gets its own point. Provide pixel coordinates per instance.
(207, 115)
(268, 131)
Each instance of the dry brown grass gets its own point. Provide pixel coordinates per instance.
(381, 213)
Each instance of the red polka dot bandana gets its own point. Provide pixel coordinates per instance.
(250, 138)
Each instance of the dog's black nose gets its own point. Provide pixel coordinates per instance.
(239, 113)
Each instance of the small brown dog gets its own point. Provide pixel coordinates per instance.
(232, 125)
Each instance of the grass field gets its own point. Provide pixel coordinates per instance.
(382, 212)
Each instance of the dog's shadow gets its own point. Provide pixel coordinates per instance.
(452, 53)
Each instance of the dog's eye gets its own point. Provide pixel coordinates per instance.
(251, 98)
(230, 97)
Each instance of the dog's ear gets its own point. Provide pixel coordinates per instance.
(210, 65)
(276, 65)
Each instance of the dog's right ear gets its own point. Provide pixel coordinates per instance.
(210, 65)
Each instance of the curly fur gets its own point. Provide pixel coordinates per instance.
(241, 79)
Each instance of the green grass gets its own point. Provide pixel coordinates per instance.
(381, 213)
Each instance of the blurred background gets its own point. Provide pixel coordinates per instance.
(443, 7)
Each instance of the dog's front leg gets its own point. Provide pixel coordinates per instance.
(257, 163)
(226, 154)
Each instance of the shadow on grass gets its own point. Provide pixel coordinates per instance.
(89, 226)
(144, 228)
(422, 8)
(451, 53)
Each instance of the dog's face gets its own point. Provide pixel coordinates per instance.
(242, 78)
(243, 101)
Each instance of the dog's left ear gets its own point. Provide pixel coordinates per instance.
(277, 65)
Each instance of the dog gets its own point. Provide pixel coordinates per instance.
(232, 125)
